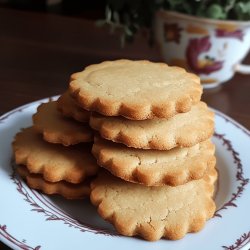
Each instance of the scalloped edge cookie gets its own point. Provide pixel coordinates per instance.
(137, 90)
(68, 107)
(154, 212)
(58, 129)
(63, 188)
(182, 130)
(53, 161)
(153, 167)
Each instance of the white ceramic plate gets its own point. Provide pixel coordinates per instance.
(31, 220)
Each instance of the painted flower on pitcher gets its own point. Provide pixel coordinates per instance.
(172, 32)
(197, 60)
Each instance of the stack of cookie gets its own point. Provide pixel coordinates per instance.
(54, 155)
(153, 145)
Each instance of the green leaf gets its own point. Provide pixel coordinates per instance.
(128, 32)
(100, 23)
(174, 3)
(242, 10)
(215, 11)
(229, 5)
(108, 13)
(116, 17)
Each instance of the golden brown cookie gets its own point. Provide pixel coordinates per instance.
(54, 162)
(68, 107)
(154, 212)
(137, 90)
(58, 129)
(182, 130)
(63, 188)
(154, 167)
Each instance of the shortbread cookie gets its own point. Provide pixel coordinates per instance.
(137, 90)
(182, 130)
(68, 107)
(63, 188)
(55, 162)
(154, 212)
(58, 129)
(155, 167)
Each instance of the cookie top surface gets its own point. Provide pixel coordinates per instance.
(137, 90)
(58, 129)
(55, 162)
(63, 188)
(154, 212)
(154, 167)
(68, 107)
(184, 130)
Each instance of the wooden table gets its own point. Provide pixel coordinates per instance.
(38, 52)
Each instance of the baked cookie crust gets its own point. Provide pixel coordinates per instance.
(53, 161)
(154, 212)
(137, 90)
(182, 130)
(63, 188)
(153, 167)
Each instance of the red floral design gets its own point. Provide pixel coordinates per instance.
(239, 175)
(237, 34)
(172, 32)
(10, 238)
(239, 243)
(195, 48)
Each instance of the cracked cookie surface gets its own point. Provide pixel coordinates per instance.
(68, 107)
(58, 129)
(53, 161)
(182, 130)
(154, 212)
(154, 167)
(63, 188)
(137, 90)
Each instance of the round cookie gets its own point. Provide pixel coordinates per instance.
(153, 167)
(182, 130)
(63, 188)
(154, 212)
(54, 162)
(137, 90)
(58, 129)
(68, 107)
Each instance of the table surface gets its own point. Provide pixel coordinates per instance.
(38, 52)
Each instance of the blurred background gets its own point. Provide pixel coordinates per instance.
(85, 9)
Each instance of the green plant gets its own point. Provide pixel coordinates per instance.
(130, 16)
